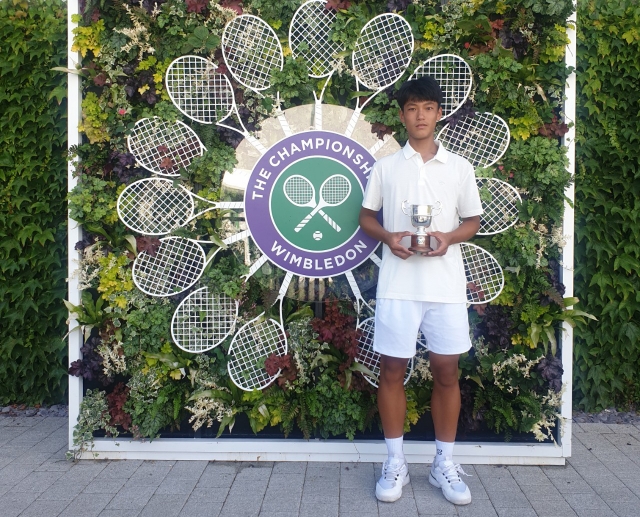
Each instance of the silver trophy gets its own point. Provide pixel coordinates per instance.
(421, 216)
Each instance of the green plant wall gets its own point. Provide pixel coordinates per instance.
(33, 185)
(511, 380)
(607, 273)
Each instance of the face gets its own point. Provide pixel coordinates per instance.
(420, 118)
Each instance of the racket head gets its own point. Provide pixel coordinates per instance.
(198, 90)
(485, 279)
(177, 265)
(299, 191)
(164, 147)
(482, 139)
(309, 38)
(454, 76)
(252, 344)
(383, 51)
(501, 212)
(251, 49)
(153, 206)
(203, 320)
(368, 357)
(334, 190)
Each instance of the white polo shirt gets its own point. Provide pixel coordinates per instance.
(447, 178)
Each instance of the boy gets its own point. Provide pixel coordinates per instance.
(421, 292)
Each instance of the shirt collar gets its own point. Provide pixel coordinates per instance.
(441, 154)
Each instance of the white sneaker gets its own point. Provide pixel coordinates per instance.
(395, 475)
(445, 475)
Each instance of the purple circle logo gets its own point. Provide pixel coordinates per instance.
(303, 200)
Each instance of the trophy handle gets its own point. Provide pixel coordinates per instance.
(405, 207)
(437, 208)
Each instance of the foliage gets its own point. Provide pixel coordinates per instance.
(607, 353)
(33, 180)
(93, 416)
(515, 50)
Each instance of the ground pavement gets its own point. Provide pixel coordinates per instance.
(600, 480)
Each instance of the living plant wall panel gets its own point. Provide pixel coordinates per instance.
(207, 244)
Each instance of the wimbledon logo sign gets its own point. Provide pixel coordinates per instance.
(303, 200)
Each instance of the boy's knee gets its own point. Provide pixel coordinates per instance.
(392, 369)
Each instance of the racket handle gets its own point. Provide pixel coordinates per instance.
(317, 119)
(352, 122)
(284, 124)
(255, 143)
(375, 259)
(333, 224)
(304, 222)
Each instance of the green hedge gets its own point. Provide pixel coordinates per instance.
(607, 352)
(32, 207)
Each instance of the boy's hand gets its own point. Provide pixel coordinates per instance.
(444, 240)
(393, 241)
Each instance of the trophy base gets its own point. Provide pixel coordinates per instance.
(420, 245)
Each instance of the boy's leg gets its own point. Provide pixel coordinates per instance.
(445, 398)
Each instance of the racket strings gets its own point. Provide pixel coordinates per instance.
(252, 51)
(383, 51)
(310, 37)
(203, 320)
(299, 190)
(484, 275)
(162, 147)
(154, 206)
(501, 211)
(482, 139)
(335, 190)
(198, 90)
(251, 345)
(177, 264)
(453, 75)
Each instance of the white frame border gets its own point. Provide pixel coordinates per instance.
(260, 449)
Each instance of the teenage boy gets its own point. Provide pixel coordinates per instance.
(421, 292)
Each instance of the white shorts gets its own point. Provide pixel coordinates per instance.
(445, 327)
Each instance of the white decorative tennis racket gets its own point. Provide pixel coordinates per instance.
(164, 147)
(251, 50)
(176, 265)
(381, 55)
(500, 211)
(310, 39)
(155, 206)
(454, 76)
(333, 192)
(254, 343)
(204, 95)
(368, 357)
(485, 279)
(482, 139)
(299, 191)
(203, 320)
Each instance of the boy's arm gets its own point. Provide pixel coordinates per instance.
(369, 223)
(464, 232)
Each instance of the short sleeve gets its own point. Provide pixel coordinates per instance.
(373, 193)
(469, 204)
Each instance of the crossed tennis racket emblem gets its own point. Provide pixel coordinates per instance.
(333, 192)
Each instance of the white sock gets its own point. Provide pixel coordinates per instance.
(394, 447)
(443, 450)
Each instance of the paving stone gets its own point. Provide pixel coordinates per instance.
(596, 428)
(37, 482)
(62, 491)
(187, 470)
(164, 506)
(40, 508)
(405, 506)
(214, 480)
(618, 493)
(516, 512)
(291, 481)
(359, 500)
(357, 475)
(194, 508)
(322, 465)
(55, 465)
(509, 499)
(553, 508)
(104, 486)
(131, 497)
(624, 509)
(317, 508)
(148, 475)
(250, 505)
(209, 495)
(481, 508)
(13, 504)
(13, 473)
(594, 513)
(290, 467)
(530, 475)
(119, 513)
(268, 513)
(87, 505)
(586, 501)
(541, 493)
(432, 501)
(120, 469)
(176, 486)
